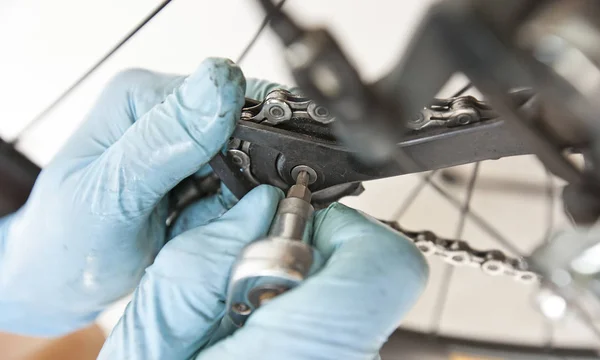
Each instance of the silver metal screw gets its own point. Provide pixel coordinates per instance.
(241, 308)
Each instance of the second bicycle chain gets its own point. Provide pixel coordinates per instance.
(460, 253)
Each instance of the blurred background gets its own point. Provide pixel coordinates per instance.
(45, 46)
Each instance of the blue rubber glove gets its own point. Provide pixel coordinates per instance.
(347, 310)
(96, 217)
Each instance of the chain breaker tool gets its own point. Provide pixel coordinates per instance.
(276, 264)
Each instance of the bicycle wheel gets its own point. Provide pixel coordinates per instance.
(464, 313)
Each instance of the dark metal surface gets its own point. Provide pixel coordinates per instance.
(17, 176)
(405, 344)
(458, 35)
(581, 204)
(275, 152)
(231, 175)
(327, 76)
(188, 191)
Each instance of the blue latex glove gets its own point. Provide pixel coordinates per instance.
(347, 310)
(96, 217)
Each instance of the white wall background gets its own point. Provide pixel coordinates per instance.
(46, 45)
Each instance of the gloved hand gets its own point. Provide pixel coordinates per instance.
(96, 217)
(346, 310)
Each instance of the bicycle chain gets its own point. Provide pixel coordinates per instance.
(281, 105)
(460, 253)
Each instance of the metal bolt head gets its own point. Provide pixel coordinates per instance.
(241, 308)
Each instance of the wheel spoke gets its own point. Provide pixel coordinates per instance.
(467, 205)
(587, 320)
(548, 324)
(477, 219)
(440, 301)
(548, 332)
(65, 94)
(440, 304)
(261, 28)
(412, 196)
(463, 89)
(550, 206)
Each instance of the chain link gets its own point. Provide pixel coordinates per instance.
(460, 253)
(280, 106)
(457, 111)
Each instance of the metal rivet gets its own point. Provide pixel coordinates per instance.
(322, 111)
(276, 111)
(237, 160)
(419, 119)
(241, 308)
(464, 119)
